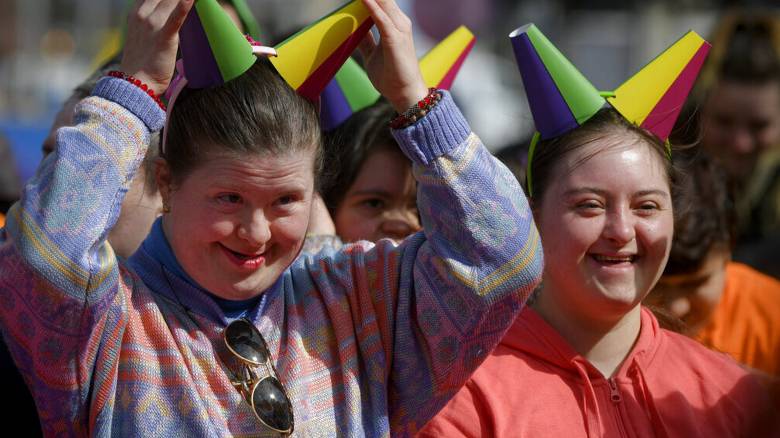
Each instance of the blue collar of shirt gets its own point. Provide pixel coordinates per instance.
(157, 246)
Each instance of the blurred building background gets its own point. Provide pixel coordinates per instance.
(49, 46)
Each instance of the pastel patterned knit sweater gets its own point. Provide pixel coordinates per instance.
(370, 340)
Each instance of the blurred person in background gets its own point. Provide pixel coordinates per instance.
(373, 194)
(10, 186)
(21, 411)
(740, 127)
(728, 306)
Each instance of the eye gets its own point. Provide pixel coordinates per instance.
(648, 207)
(229, 198)
(285, 200)
(373, 203)
(589, 205)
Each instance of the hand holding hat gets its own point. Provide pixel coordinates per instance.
(152, 41)
(392, 65)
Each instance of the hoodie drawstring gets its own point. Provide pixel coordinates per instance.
(655, 418)
(592, 422)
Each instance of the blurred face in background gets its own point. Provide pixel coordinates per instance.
(739, 122)
(382, 202)
(693, 297)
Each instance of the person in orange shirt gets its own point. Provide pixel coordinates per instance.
(728, 306)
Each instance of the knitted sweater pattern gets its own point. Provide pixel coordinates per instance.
(370, 340)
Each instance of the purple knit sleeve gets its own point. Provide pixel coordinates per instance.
(428, 311)
(59, 307)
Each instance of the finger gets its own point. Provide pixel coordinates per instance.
(177, 17)
(144, 8)
(381, 19)
(367, 45)
(394, 12)
(165, 8)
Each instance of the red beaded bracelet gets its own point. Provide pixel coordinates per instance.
(139, 84)
(417, 111)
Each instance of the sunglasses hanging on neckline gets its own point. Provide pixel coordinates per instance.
(265, 395)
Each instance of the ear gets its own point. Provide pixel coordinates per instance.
(162, 175)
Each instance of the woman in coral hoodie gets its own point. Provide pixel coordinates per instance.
(586, 359)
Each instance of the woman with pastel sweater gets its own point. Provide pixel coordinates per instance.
(217, 326)
(585, 359)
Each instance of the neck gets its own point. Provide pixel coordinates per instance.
(605, 343)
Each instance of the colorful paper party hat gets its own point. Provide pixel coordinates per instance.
(309, 59)
(351, 90)
(213, 49)
(654, 96)
(440, 66)
(559, 96)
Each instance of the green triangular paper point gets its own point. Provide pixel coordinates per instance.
(231, 50)
(356, 86)
(580, 95)
(247, 18)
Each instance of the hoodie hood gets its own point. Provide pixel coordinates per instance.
(532, 335)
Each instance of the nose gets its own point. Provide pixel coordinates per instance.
(619, 226)
(397, 224)
(742, 141)
(680, 307)
(255, 229)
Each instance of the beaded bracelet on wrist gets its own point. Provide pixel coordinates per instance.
(139, 84)
(417, 111)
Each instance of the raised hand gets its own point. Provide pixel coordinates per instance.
(392, 65)
(152, 40)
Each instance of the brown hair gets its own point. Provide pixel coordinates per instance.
(605, 123)
(255, 113)
(348, 146)
(705, 215)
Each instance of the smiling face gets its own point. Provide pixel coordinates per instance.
(606, 226)
(237, 222)
(382, 202)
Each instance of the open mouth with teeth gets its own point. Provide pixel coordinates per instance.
(251, 261)
(614, 260)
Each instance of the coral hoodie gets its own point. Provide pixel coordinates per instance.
(535, 385)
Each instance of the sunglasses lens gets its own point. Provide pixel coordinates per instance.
(271, 404)
(246, 341)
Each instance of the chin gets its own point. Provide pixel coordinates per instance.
(619, 298)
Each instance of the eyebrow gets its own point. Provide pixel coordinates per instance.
(604, 193)
(372, 192)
